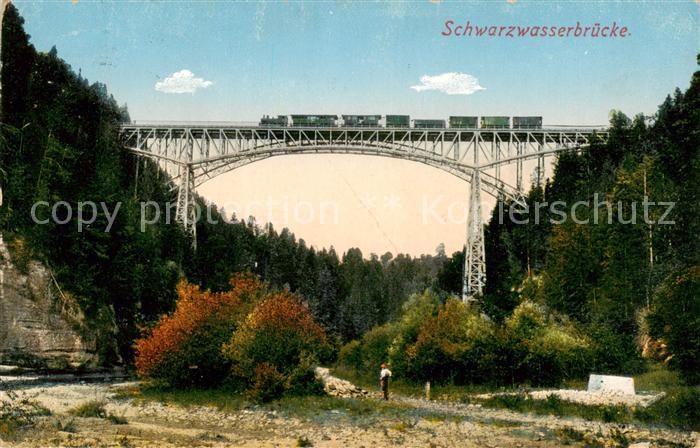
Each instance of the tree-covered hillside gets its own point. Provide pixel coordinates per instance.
(633, 286)
(59, 142)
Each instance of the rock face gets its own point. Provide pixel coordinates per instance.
(40, 326)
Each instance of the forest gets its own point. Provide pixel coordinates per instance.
(564, 299)
(60, 142)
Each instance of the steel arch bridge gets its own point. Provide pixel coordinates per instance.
(193, 153)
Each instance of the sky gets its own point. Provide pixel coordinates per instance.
(235, 61)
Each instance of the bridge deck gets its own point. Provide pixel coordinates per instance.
(229, 131)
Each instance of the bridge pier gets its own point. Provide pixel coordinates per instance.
(186, 212)
(474, 258)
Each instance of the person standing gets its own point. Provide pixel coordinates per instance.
(384, 375)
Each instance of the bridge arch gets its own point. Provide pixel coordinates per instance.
(206, 170)
(194, 153)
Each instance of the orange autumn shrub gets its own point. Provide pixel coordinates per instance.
(279, 337)
(268, 383)
(184, 348)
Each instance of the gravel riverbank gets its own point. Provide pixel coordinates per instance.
(416, 423)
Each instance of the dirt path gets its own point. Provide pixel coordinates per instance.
(416, 424)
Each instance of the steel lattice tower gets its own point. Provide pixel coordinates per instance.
(186, 211)
(474, 257)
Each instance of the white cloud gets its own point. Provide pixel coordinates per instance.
(452, 83)
(183, 81)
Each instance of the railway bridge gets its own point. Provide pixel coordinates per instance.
(192, 153)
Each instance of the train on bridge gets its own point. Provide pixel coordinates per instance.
(401, 121)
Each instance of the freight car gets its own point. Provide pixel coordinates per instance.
(495, 122)
(428, 124)
(361, 121)
(464, 122)
(527, 122)
(324, 121)
(398, 121)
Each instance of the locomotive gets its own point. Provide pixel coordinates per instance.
(401, 121)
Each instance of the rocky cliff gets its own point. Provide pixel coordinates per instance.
(40, 325)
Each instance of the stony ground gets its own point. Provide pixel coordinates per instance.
(588, 398)
(415, 423)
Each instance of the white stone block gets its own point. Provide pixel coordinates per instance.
(611, 384)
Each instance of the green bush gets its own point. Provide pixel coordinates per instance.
(368, 353)
(516, 402)
(543, 349)
(270, 384)
(453, 346)
(611, 352)
(376, 344)
(351, 355)
(455, 343)
(302, 381)
(555, 403)
(614, 413)
(280, 339)
(415, 311)
(658, 378)
(95, 409)
(526, 321)
(675, 318)
(557, 353)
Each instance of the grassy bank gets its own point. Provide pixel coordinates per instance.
(227, 400)
(679, 409)
(446, 392)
